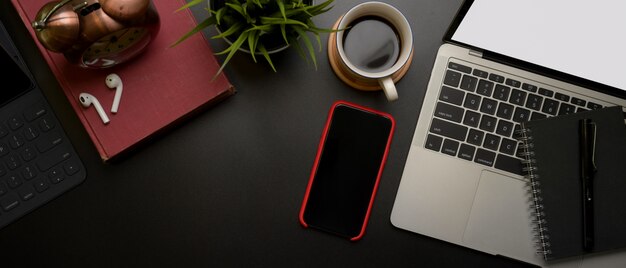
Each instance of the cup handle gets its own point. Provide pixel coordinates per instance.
(389, 88)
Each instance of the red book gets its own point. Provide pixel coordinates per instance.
(162, 86)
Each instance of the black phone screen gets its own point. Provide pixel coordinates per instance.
(348, 169)
(15, 80)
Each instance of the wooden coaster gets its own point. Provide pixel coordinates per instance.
(347, 77)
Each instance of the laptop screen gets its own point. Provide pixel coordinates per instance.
(586, 39)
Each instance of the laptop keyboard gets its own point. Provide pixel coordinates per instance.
(37, 162)
(479, 111)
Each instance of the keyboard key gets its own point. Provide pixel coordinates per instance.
(475, 137)
(509, 164)
(480, 73)
(433, 142)
(3, 131)
(496, 78)
(529, 87)
(459, 67)
(3, 189)
(3, 170)
(517, 97)
(488, 123)
(29, 153)
(15, 122)
(472, 101)
(13, 162)
(450, 147)
(579, 102)
(47, 161)
(16, 141)
(14, 181)
(566, 109)
(485, 157)
(46, 124)
(593, 106)
(28, 172)
(452, 78)
(534, 102)
(491, 142)
(501, 92)
(56, 175)
(471, 118)
(537, 116)
(508, 146)
(550, 106)
(9, 202)
(4, 149)
(488, 106)
(447, 111)
(512, 82)
(34, 112)
(467, 152)
(46, 143)
(521, 115)
(30, 133)
(546, 92)
(505, 111)
(40, 185)
(451, 95)
(485, 88)
(561, 97)
(447, 129)
(71, 167)
(504, 128)
(468, 83)
(26, 193)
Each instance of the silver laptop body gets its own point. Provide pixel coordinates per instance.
(465, 189)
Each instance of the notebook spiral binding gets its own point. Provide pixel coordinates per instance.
(534, 187)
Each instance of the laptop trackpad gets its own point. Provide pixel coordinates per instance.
(499, 222)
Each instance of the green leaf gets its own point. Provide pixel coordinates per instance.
(232, 49)
(307, 43)
(206, 23)
(266, 55)
(299, 49)
(219, 14)
(190, 4)
(283, 31)
(269, 20)
(237, 8)
(281, 6)
(253, 39)
(233, 29)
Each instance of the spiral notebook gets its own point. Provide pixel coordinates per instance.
(551, 149)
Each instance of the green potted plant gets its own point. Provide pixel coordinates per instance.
(261, 27)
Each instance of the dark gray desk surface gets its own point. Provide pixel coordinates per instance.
(225, 188)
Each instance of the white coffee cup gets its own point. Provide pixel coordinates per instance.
(367, 79)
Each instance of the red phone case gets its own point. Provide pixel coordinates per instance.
(319, 153)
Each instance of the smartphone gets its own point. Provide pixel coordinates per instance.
(347, 169)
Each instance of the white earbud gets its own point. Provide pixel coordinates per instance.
(87, 100)
(114, 81)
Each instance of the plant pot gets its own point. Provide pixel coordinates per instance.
(273, 42)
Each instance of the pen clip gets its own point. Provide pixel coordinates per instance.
(592, 140)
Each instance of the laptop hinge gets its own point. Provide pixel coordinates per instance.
(476, 53)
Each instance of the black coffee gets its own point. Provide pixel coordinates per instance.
(371, 44)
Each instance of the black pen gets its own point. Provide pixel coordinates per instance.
(587, 172)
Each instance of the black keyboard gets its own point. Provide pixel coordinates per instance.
(479, 111)
(37, 161)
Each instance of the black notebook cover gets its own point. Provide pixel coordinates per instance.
(553, 167)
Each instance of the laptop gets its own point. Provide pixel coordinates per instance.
(502, 63)
(37, 161)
